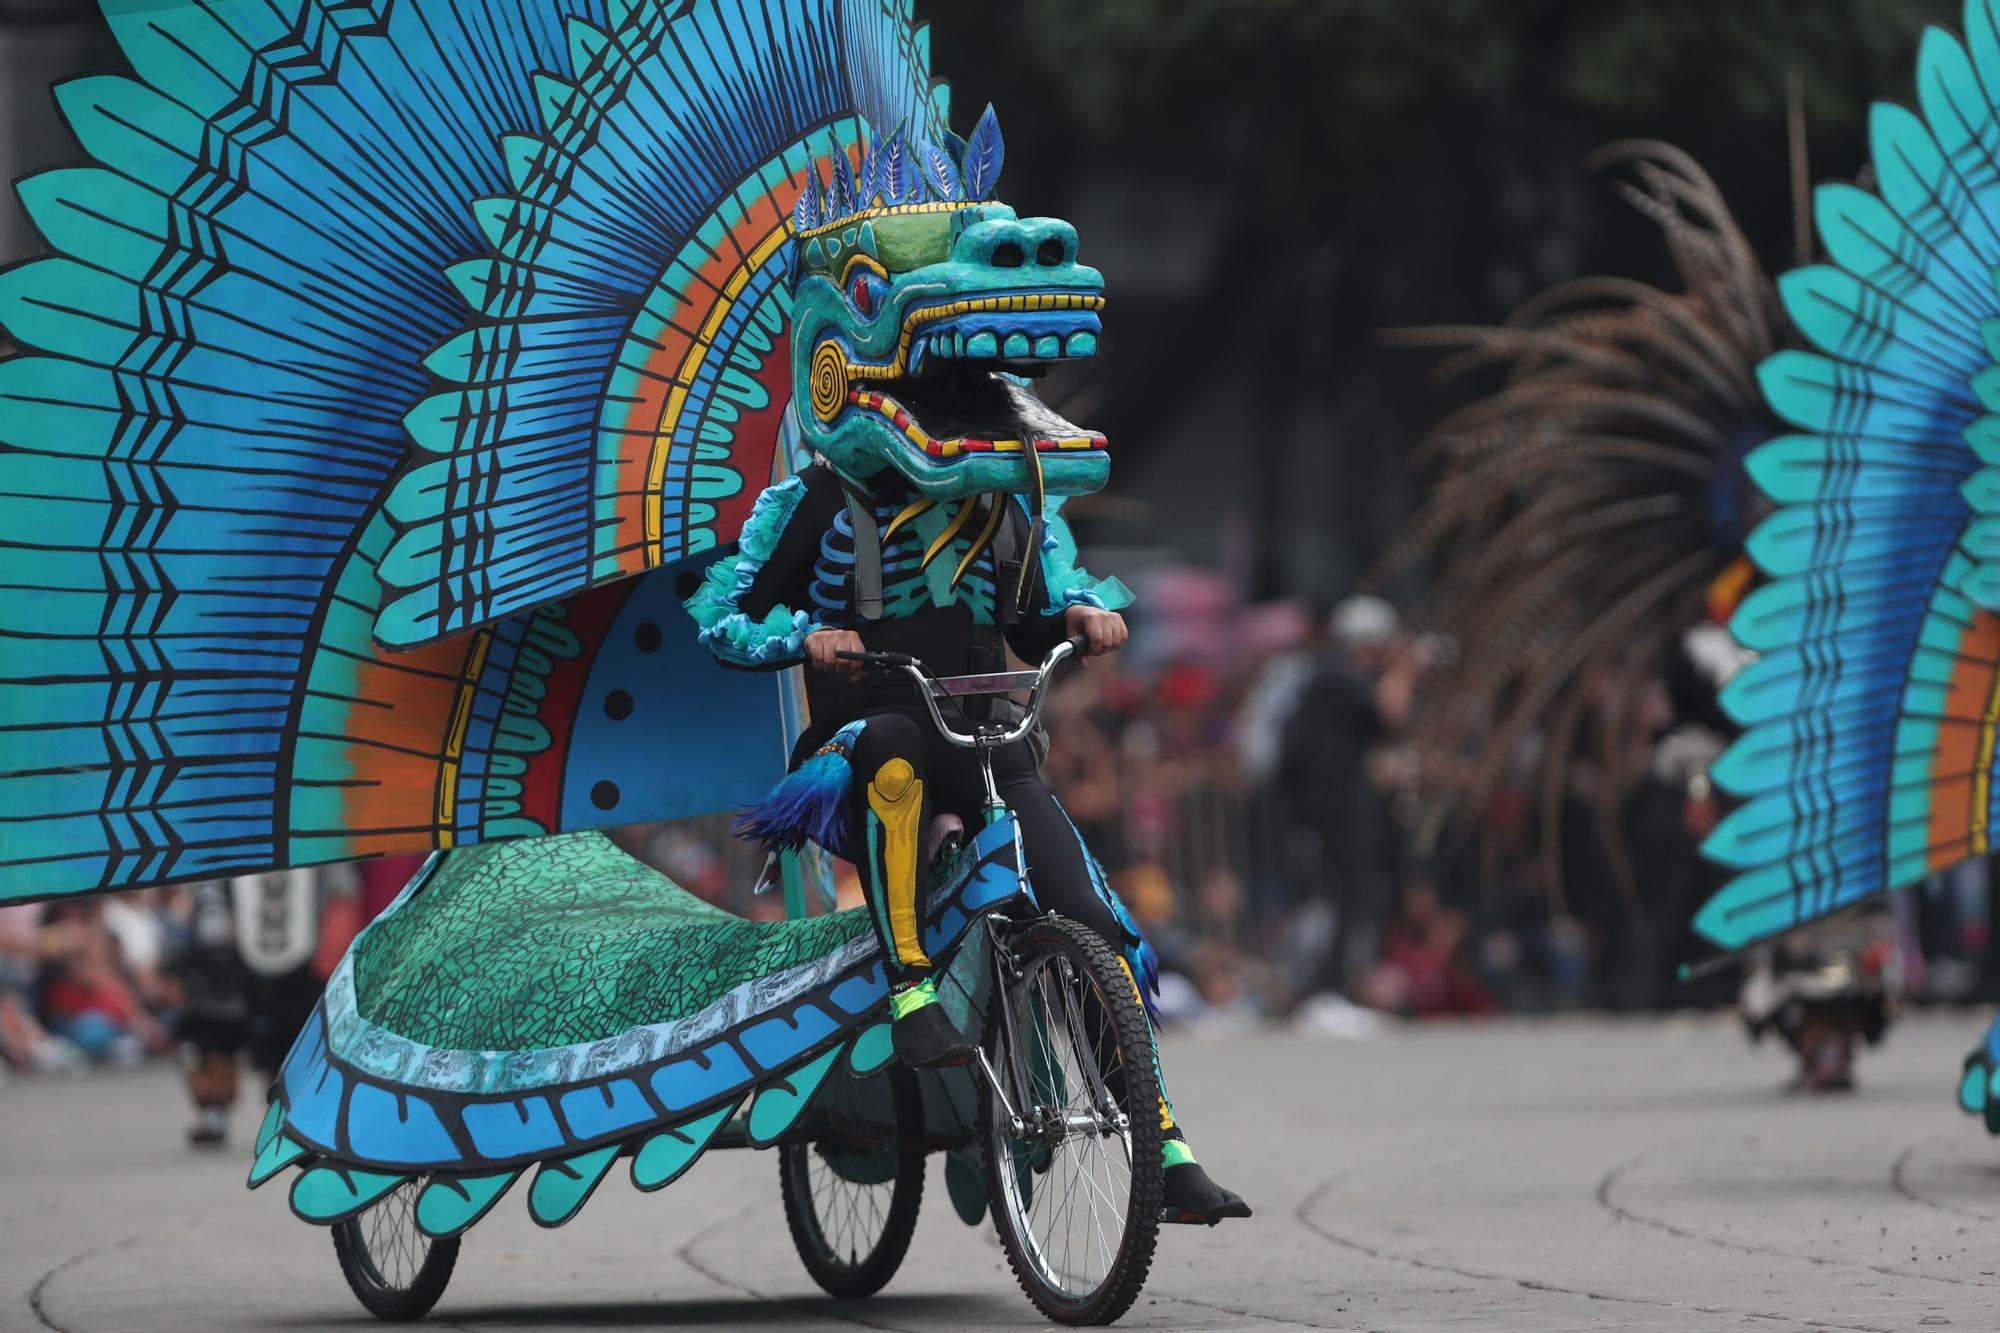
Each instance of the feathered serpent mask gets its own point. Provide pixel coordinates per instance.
(923, 312)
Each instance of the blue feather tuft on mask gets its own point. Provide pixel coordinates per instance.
(984, 154)
(942, 174)
(840, 192)
(895, 176)
(809, 210)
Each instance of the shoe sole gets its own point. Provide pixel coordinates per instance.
(1176, 1217)
(943, 1062)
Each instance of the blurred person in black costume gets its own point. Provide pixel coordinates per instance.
(250, 966)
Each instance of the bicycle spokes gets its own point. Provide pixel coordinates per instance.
(1071, 1161)
(850, 1201)
(395, 1248)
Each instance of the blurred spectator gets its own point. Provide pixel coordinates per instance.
(1340, 834)
(1425, 970)
(88, 999)
(24, 1043)
(250, 963)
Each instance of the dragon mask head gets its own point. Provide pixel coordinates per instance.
(922, 312)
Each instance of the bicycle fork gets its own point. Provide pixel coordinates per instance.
(1110, 1119)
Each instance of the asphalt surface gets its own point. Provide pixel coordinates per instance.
(1553, 1176)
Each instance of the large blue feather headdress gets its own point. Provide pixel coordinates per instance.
(373, 361)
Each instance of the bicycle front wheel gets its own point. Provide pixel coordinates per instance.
(1073, 1163)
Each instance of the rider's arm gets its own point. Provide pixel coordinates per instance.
(1063, 584)
(755, 607)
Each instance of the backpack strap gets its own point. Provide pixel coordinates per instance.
(867, 553)
(1016, 563)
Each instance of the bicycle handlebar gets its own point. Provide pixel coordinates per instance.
(980, 738)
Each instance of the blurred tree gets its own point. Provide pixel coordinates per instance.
(1339, 166)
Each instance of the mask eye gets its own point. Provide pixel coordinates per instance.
(861, 291)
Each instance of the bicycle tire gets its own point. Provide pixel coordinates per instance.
(1053, 941)
(386, 1299)
(859, 1275)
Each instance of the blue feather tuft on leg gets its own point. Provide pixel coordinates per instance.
(809, 804)
(1146, 967)
(1140, 955)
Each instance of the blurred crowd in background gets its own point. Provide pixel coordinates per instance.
(1247, 779)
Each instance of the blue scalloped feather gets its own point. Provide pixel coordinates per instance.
(984, 155)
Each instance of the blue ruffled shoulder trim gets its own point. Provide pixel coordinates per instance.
(1068, 583)
(733, 635)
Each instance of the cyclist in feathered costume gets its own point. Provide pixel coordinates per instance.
(921, 315)
(1588, 524)
(1870, 712)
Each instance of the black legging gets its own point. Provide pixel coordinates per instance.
(1057, 865)
(1058, 868)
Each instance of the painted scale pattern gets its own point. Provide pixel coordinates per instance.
(509, 952)
(1871, 711)
(670, 1071)
(296, 215)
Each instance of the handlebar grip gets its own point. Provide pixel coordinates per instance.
(878, 659)
(1079, 645)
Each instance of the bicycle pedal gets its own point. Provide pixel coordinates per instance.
(1178, 1217)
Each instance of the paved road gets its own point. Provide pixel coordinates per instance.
(1578, 1175)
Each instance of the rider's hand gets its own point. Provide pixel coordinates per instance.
(1103, 631)
(824, 645)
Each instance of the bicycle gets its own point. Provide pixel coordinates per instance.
(1052, 1128)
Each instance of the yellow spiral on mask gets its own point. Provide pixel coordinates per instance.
(829, 381)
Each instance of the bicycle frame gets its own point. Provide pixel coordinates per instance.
(985, 738)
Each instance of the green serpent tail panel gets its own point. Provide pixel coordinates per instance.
(538, 1000)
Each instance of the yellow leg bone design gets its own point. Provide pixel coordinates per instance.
(897, 799)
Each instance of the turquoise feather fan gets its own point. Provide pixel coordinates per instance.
(1871, 713)
(383, 345)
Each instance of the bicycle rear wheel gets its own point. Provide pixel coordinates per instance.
(851, 1201)
(393, 1268)
(1073, 1164)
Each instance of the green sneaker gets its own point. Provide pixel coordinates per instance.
(1190, 1196)
(924, 1035)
